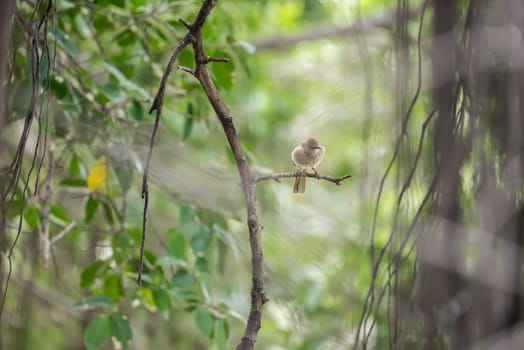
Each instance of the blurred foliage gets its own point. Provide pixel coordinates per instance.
(103, 67)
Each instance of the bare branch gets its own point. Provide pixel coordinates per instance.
(186, 69)
(278, 176)
(157, 105)
(46, 210)
(185, 23)
(194, 36)
(62, 233)
(287, 42)
(217, 59)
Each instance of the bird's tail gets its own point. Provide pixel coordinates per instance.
(300, 184)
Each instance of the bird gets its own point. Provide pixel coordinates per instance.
(307, 155)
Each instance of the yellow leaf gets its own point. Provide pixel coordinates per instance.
(97, 175)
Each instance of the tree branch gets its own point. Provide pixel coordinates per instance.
(287, 42)
(200, 72)
(278, 176)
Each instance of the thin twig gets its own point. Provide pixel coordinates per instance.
(62, 233)
(46, 245)
(370, 297)
(157, 105)
(278, 176)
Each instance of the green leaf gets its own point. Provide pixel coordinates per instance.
(94, 301)
(146, 298)
(123, 81)
(98, 332)
(122, 245)
(186, 58)
(74, 165)
(201, 265)
(136, 111)
(177, 243)
(201, 240)
(14, 209)
(188, 126)
(204, 321)
(59, 88)
(113, 287)
(108, 212)
(81, 26)
(91, 272)
(32, 217)
(113, 93)
(187, 214)
(45, 67)
(59, 216)
(124, 175)
(162, 299)
(64, 41)
(126, 38)
(103, 22)
(90, 208)
(182, 279)
(108, 3)
(222, 333)
(21, 98)
(121, 329)
(74, 182)
(169, 260)
(223, 72)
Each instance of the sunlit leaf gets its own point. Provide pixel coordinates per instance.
(146, 297)
(113, 287)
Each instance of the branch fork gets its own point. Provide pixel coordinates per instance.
(247, 179)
